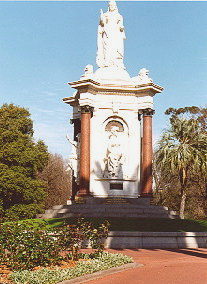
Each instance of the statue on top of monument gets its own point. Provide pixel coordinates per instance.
(111, 36)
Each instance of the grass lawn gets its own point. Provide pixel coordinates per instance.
(135, 224)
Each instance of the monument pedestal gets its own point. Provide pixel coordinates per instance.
(116, 136)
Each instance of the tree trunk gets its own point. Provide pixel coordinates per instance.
(182, 204)
(183, 183)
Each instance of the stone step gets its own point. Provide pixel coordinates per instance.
(99, 213)
(102, 207)
(112, 210)
(108, 206)
(116, 201)
(67, 215)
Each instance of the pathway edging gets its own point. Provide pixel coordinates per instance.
(100, 274)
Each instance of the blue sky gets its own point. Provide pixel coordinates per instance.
(44, 45)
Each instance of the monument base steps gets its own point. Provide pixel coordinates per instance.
(109, 207)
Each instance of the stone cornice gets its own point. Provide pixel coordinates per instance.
(70, 100)
(93, 87)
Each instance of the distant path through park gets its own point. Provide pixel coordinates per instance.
(184, 266)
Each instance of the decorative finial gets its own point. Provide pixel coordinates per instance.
(88, 71)
(143, 77)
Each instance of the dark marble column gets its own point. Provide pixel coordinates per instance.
(147, 154)
(77, 129)
(76, 126)
(84, 175)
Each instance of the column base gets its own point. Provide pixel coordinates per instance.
(146, 195)
(83, 194)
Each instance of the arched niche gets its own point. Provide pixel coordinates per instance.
(115, 121)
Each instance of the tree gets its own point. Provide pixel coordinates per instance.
(58, 181)
(182, 152)
(195, 113)
(21, 192)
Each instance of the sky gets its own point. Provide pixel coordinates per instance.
(45, 45)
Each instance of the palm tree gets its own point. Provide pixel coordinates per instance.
(182, 151)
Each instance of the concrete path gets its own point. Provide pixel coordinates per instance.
(183, 266)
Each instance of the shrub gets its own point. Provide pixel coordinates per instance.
(27, 244)
(24, 247)
(95, 234)
(24, 210)
(70, 238)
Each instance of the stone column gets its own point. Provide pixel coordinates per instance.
(84, 175)
(77, 129)
(147, 152)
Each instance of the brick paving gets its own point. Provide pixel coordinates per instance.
(184, 266)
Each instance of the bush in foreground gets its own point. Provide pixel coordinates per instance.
(24, 245)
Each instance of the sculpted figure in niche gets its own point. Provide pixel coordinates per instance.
(74, 157)
(114, 157)
(111, 38)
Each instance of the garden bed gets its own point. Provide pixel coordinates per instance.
(31, 252)
(66, 271)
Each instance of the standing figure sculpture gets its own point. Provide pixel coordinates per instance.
(111, 36)
(114, 157)
(74, 157)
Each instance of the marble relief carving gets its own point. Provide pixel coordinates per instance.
(115, 156)
(74, 159)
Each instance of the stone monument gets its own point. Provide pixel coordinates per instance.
(112, 118)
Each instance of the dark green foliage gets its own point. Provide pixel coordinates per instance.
(24, 245)
(21, 192)
(95, 233)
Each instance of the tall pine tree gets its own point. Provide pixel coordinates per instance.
(22, 193)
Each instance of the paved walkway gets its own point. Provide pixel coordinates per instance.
(184, 266)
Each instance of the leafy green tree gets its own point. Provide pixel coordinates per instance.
(21, 192)
(182, 152)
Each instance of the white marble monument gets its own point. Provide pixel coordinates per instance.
(112, 116)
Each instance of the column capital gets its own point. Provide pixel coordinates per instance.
(146, 112)
(86, 109)
(73, 120)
